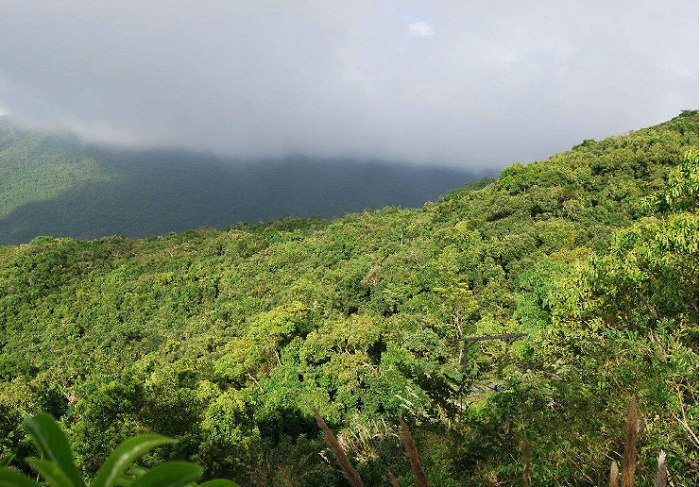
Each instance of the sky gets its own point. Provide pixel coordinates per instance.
(475, 83)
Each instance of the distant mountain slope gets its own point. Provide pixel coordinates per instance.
(56, 185)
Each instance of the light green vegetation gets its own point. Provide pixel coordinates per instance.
(39, 168)
(224, 339)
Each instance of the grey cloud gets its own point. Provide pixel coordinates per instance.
(492, 83)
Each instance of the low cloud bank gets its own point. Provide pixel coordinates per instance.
(479, 84)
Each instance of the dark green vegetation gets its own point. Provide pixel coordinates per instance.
(55, 185)
(57, 465)
(225, 340)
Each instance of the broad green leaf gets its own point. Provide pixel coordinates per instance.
(124, 481)
(137, 471)
(53, 446)
(5, 462)
(172, 474)
(52, 473)
(12, 478)
(125, 455)
(219, 483)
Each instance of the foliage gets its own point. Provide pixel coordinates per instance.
(57, 466)
(224, 339)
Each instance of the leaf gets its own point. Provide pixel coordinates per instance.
(5, 462)
(12, 478)
(53, 445)
(52, 473)
(219, 483)
(124, 456)
(124, 481)
(137, 471)
(172, 474)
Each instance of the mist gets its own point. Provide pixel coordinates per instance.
(470, 84)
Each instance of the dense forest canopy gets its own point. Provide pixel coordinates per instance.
(54, 184)
(224, 339)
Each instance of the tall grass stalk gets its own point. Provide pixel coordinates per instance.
(287, 482)
(345, 465)
(418, 473)
(525, 450)
(630, 458)
(392, 479)
(660, 480)
(614, 473)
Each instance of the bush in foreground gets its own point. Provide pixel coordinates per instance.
(57, 466)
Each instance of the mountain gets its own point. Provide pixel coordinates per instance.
(225, 339)
(56, 185)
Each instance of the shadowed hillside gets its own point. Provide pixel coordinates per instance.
(55, 185)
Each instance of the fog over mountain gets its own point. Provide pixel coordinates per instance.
(56, 185)
(477, 84)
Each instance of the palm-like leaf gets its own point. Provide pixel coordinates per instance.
(125, 455)
(5, 462)
(124, 481)
(137, 471)
(12, 478)
(173, 474)
(53, 446)
(219, 483)
(58, 468)
(52, 473)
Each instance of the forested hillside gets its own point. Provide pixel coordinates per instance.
(54, 184)
(225, 339)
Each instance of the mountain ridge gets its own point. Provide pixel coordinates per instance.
(56, 185)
